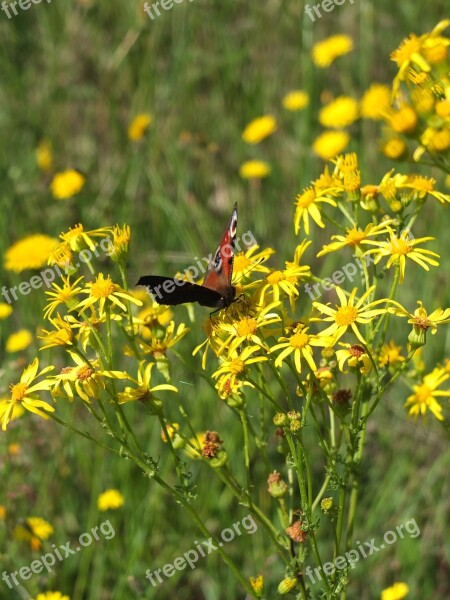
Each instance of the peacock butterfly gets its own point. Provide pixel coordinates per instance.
(216, 290)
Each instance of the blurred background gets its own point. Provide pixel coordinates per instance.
(74, 75)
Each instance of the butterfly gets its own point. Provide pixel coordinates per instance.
(216, 290)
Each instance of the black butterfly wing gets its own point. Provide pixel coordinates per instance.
(167, 290)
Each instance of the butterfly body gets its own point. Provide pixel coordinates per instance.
(216, 290)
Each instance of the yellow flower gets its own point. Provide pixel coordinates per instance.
(398, 248)
(326, 51)
(5, 310)
(23, 393)
(295, 100)
(421, 319)
(18, 341)
(34, 531)
(259, 128)
(356, 357)
(257, 584)
(120, 245)
(354, 237)
(250, 261)
(78, 238)
(403, 120)
(279, 282)
(254, 169)
(62, 256)
(394, 148)
(17, 412)
(62, 335)
(300, 343)
(51, 596)
(398, 591)
(2, 512)
(138, 126)
(339, 113)
(110, 499)
(375, 102)
(236, 363)
(31, 252)
(158, 344)
(390, 355)
(330, 143)
(423, 186)
(143, 390)
(44, 155)
(102, 290)
(425, 394)
(307, 205)
(65, 294)
(67, 184)
(349, 314)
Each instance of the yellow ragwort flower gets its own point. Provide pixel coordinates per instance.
(254, 169)
(330, 143)
(103, 289)
(301, 344)
(139, 126)
(259, 129)
(44, 155)
(67, 184)
(349, 314)
(326, 51)
(235, 365)
(18, 341)
(24, 393)
(62, 335)
(355, 356)
(66, 294)
(17, 412)
(5, 310)
(398, 591)
(51, 596)
(425, 395)
(339, 113)
(110, 499)
(394, 148)
(35, 530)
(78, 238)
(398, 248)
(390, 355)
(31, 252)
(143, 390)
(354, 238)
(307, 205)
(421, 319)
(257, 584)
(375, 102)
(295, 100)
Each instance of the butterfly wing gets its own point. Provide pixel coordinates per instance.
(171, 291)
(220, 268)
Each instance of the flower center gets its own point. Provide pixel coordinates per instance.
(356, 350)
(246, 327)
(354, 237)
(276, 277)
(346, 315)
(241, 262)
(18, 392)
(102, 288)
(399, 246)
(299, 340)
(423, 394)
(84, 373)
(237, 366)
(306, 199)
(422, 323)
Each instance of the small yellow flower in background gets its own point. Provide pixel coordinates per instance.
(172, 429)
(394, 148)
(348, 314)
(423, 186)
(398, 248)
(157, 345)
(390, 355)
(5, 310)
(103, 289)
(403, 120)
(17, 412)
(138, 126)
(236, 363)
(355, 356)
(295, 100)
(425, 394)
(307, 205)
(254, 169)
(339, 113)
(31, 252)
(18, 341)
(330, 143)
(375, 102)
(78, 238)
(286, 585)
(44, 155)
(2, 512)
(259, 129)
(23, 393)
(398, 591)
(34, 531)
(67, 184)
(326, 51)
(51, 596)
(421, 319)
(62, 335)
(257, 584)
(120, 245)
(110, 499)
(14, 449)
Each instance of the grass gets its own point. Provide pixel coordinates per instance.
(76, 74)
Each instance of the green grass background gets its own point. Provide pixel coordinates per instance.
(76, 73)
